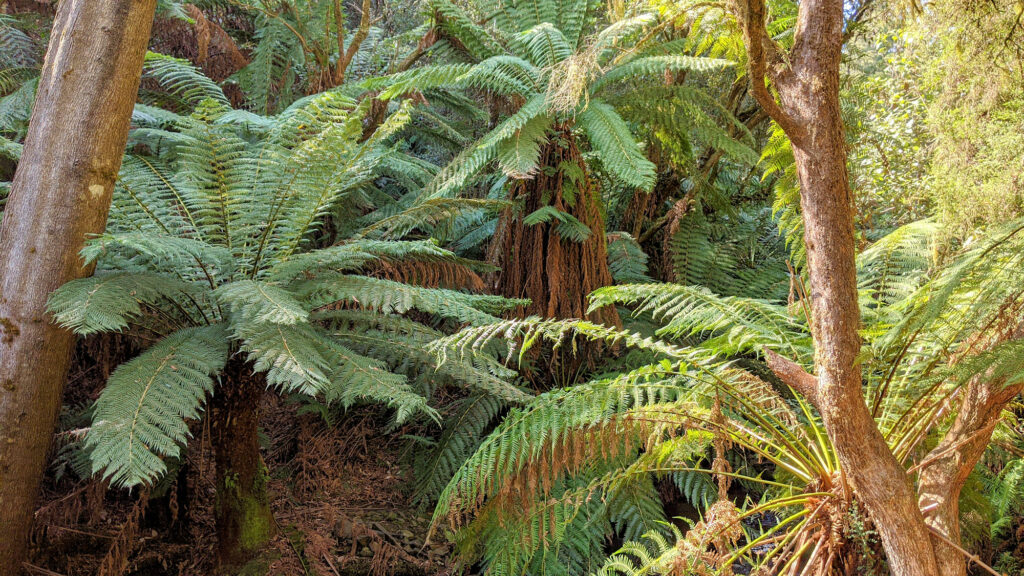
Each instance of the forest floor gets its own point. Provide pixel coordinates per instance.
(339, 495)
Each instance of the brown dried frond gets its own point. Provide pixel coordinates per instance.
(569, 79)
(706, 546)
(451, 275)
(116, 560)
(316, 458)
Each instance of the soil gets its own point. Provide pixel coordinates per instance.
(339, 497)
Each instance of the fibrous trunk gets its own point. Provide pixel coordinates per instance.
(537, 262)
(60, 195)
(242, 507)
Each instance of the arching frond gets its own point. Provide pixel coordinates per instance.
(108, 302)
(181, 79)
(141, 414)
(616, 146)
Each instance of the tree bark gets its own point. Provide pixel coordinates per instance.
(808, 110)
(60, 194)
(945, 470)
(242, 508)
(535, 262)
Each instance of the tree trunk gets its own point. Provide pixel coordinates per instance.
(535, 261)
(807, 80)
(242, 508)
(945, 470)
(60, 194)
(880, 481)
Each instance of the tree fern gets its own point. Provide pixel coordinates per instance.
(218, 235)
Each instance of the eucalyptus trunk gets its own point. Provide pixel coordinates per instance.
(60, 194)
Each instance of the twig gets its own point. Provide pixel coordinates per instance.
(40, 569)
(330, 565)
(970, 557)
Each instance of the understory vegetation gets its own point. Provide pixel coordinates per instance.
(533, 287)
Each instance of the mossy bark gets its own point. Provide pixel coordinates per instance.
(242, 507)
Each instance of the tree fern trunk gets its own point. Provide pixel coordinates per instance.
(242, 507)
(60, 194)
(557, 274)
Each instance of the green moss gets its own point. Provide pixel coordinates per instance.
(255, 523)
(259, 566)
(248, 511)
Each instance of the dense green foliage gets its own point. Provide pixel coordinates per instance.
(323, 214)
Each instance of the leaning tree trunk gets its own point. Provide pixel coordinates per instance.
(945, 469)
(536, 262)
(60, 194)
(807, 79)
(242, 507)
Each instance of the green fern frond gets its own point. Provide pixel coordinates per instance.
(360, 379)
(390, 297)
(465, 424)
(255, 302)
(657, 65)
(453, 21)
(616, 146)
(518, 156)
(182, 80)
(108, 302)
(295, 357)
(731, 325)
(141, 414)
(544, 44)
(626, 259)
(568, 226)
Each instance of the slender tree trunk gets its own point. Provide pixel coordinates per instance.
(945, 470)
(60, 194)
(879, 479)
(242, 508)
(807, 79)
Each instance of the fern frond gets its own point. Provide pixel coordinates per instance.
(390, 297)
(182, 80)
(615, 145)
(360, 379)
(657, 65)
(255, 302)
(544, 44)
(141, 414)
(732, 325)
(108, 302)
(626, 259)
(295, 357)
(518, 156)
(465, 424)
